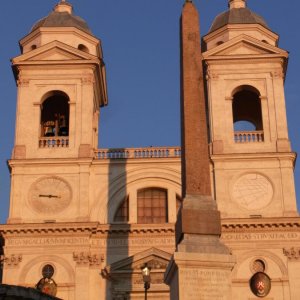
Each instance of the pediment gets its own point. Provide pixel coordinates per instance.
(54, 51)
(243, 46)
(155, 258)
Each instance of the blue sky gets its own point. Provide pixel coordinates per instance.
(140, 40)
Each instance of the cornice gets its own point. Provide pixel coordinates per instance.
(270, 224)
(94, 228)
(241, 27)
(245, 156)
(91, 228)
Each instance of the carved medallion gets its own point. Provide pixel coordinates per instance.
(252, 191)
(47, 286)
(260, 284)
(50, 195)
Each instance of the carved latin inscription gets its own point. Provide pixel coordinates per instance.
(204, 284)
(48, 241)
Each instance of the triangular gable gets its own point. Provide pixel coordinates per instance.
(244, 45)
(153, 257)
(54, 51)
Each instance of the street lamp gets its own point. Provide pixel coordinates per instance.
(146, 277)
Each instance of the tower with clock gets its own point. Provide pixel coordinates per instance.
(84, 221)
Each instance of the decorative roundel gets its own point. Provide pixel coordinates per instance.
(50, 195)
(260, 284)
(47, 286)
(252, 191)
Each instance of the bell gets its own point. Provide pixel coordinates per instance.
(63, 128)
(49, 129)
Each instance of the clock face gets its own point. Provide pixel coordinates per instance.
(50, 195)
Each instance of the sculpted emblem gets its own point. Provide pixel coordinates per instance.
(50, 195)
(252, 191)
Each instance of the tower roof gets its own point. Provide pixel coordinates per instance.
(62, 16)
(238, 13)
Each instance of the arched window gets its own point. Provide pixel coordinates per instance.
(83, 48)
(152, 206)
(55, 115)
(247, 115)
(122, 214)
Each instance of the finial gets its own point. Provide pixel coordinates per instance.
(237, 4)
(63, 6)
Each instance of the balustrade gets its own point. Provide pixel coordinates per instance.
(249, 136)
(54, 142)
(149, 152)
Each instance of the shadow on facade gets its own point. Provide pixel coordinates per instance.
(118, 221)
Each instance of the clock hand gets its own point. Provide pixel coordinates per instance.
(49, 196)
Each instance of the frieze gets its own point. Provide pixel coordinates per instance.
(48, 241)
(12, 260)
(130, 241)
(292, 253)
(258, 236)
(87, 258)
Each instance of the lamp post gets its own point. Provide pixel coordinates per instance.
(146, 278)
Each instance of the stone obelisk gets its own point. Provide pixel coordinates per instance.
(201, 266)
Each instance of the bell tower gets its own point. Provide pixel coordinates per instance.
(61, 82)
(61, 85)
(250, 148)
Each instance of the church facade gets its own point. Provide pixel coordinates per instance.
(88, 219)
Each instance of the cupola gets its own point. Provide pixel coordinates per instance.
(237, 19)
(61, 25)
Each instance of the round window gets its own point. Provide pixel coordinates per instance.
(47, 271)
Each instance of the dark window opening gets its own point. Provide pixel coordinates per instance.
(247, 116)
(83, 48)
(246, 108)
(55, 116)
(152, 206)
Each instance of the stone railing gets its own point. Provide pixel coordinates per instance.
(249, 136)
(149, 152)
(54, 142)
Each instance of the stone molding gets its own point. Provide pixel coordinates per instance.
(88, 228)
(87, 259)
(292, 253)
(12, 260)
(261, 224)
